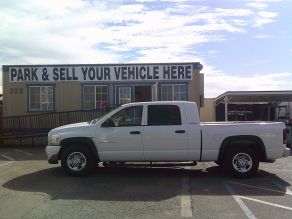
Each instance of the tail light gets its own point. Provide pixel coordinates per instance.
(284, 136)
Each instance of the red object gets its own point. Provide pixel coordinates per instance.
(102, 104)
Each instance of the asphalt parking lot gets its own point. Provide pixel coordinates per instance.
(31, 188)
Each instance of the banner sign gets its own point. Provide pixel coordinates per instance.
(102, 73)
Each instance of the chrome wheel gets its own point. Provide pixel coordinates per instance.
(76, 161)
(242, 162)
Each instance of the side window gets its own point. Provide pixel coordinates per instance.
(130, 116)
(164, 115)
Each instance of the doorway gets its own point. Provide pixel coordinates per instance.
(142, 93)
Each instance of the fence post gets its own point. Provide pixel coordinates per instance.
(19, 125)
(68, 118)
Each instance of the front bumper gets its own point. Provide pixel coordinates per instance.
(287, 152)
(52, 153)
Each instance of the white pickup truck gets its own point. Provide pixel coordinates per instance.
(165, 131)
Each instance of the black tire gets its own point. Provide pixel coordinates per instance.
(233, 158)
(85, 161)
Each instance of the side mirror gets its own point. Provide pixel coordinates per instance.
(108, 123)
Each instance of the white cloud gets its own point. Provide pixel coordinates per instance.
(257, 5)
(216, 84)
(267, 14)
(259, 22)
(268, 0)
(100, 31)
(261, 4)
(263, 36)
(73, 31)
(264, 17)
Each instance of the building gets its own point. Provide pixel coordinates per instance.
(256, 106)
(248, 106)
(252, 105)
(207, 113)
(31, 89)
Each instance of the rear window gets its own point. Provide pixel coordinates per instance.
(164, 115)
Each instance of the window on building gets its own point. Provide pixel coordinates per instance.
(173, 92)
(125, 94)
(95, 97)
(164, 115)
(41, 98)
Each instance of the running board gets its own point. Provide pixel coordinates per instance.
(148, 164)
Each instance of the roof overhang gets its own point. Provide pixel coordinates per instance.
(254, 97)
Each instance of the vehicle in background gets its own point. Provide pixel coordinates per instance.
(284, 114)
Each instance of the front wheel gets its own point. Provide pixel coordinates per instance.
(77, 160)
(242, 162)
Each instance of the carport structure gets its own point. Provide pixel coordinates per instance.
(266, 100)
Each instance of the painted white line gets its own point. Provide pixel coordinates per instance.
(241, 204)
(257, 187)
(4, 164)
(186, 203)
(21, 151)
(266, 203)
(288, 191)
(7, 157)
(22, 158)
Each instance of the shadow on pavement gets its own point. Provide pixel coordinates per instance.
(142, 184)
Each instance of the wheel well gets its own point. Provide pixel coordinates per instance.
(253, 142)
(87, 142)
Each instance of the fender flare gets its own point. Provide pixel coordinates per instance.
(79, 140)
(247, 140)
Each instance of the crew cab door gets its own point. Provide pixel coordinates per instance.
(165, 135)
(122, 140)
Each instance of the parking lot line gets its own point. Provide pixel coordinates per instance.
(21, 151)
(241, 204)
(186, 202)
(257, 187)
(266, 203)
(288, 191)
(11, 160)
(7, 157)
(4, 164)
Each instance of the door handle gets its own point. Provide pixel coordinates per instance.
(180, 131)
(135, 132)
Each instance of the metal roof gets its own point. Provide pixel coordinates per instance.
(254, 97)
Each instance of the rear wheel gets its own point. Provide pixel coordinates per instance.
(241, 162)
(77, 160)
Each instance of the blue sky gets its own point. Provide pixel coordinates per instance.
(243, 44)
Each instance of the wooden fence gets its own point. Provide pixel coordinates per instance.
(33, 129)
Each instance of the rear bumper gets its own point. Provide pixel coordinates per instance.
(52, 153)
(287, 152)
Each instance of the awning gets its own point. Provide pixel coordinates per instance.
(253, 97)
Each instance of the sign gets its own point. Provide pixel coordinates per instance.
(149, 72)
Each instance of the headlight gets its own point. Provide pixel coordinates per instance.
(54, 139)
